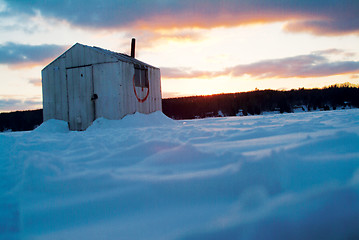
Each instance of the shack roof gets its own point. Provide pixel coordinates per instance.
(122, 57)
(119, 56)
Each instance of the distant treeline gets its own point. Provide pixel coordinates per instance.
(20, 120)
(257, 102)
(232, 104)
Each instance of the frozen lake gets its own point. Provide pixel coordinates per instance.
(282, 176)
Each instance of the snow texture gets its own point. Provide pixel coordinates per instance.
(284, 176)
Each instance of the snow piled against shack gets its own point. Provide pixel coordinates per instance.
(284, 176)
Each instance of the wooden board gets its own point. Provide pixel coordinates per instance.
(106, 80)
(80, 92)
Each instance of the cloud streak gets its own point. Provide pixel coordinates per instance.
(15, 54)
(36, 82)
(303, 66)
(12, 104)
(330, 17)
(187, 73)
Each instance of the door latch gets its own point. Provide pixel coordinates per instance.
(94, 97)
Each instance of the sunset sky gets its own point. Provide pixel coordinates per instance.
(202, 47)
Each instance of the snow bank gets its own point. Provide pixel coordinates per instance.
(52, 126)
(288, 176)
(137, 120)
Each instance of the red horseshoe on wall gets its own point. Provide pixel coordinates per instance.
(141, 100)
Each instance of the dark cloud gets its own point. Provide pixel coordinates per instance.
(14, 54)
(32, 102)
(329, 17)
(13, 104)
(6, 103)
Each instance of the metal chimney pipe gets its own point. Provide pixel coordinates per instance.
(133, 46)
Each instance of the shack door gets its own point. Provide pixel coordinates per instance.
(80, 97)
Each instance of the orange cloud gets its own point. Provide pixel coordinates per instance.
(30, 64)
(324, 28)
(148, 38)
(203, 21)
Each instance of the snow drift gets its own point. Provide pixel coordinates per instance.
(289, 176)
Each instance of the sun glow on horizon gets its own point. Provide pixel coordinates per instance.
(228, 84)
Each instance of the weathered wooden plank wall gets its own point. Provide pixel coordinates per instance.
(107, 88)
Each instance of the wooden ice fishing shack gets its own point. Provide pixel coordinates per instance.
(86, 83)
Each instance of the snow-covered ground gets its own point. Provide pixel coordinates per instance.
(284, 176)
